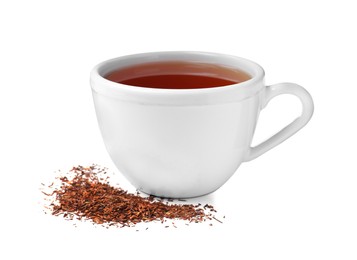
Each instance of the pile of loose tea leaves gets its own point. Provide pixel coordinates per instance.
(84, 194)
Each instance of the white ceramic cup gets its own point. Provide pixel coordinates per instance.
(183, 143)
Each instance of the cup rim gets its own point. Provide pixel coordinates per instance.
(113, 89)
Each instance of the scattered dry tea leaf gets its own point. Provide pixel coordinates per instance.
(85, 194)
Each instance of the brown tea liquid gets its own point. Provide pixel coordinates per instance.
(177, 75)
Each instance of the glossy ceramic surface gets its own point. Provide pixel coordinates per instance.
(186, 143)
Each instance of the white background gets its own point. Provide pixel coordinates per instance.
(298, 201)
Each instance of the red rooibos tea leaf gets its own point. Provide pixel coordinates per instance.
(83, 194)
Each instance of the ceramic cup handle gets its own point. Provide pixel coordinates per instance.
(292, 128)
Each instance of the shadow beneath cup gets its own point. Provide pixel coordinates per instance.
(203, 200)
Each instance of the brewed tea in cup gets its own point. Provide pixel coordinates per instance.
(179, 124)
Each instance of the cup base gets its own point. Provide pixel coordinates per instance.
(176, 196)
